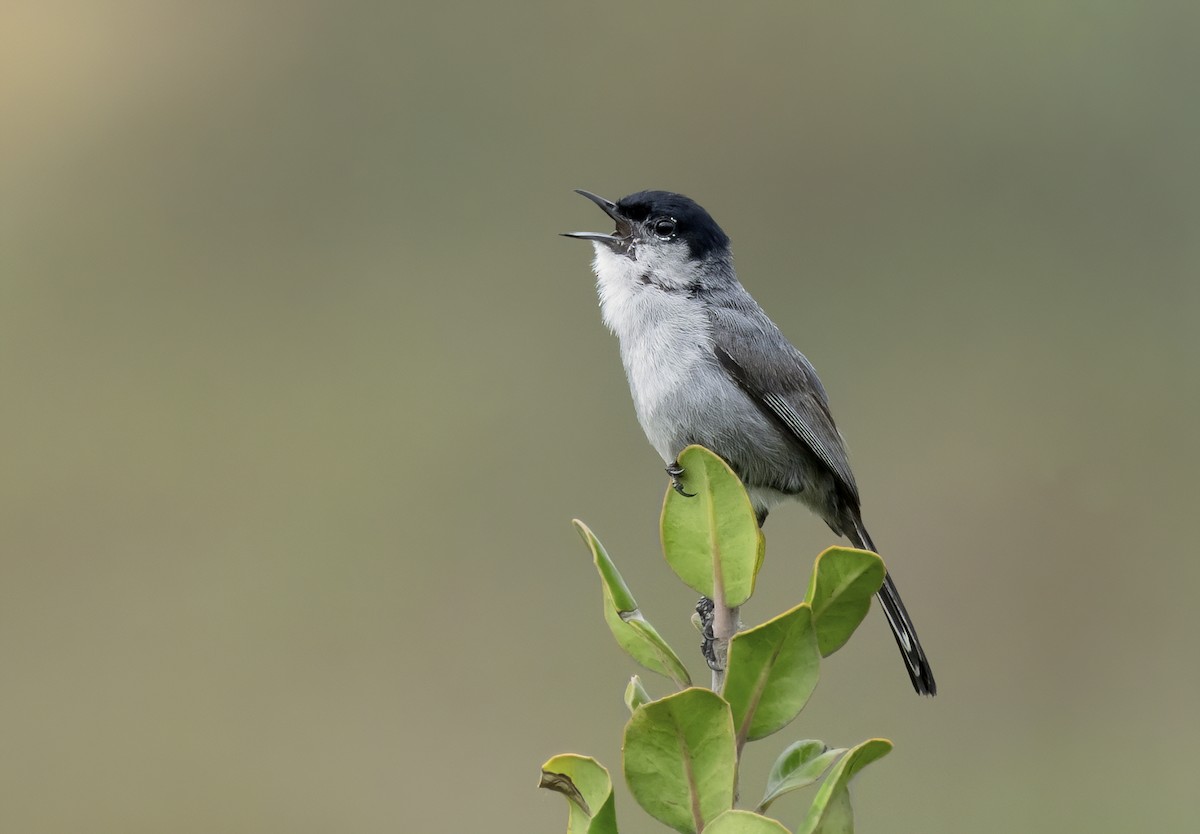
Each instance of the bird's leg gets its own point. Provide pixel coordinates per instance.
(676, 473)
(704, 610)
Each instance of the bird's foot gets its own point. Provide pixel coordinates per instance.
(704, 610)
(676, 473)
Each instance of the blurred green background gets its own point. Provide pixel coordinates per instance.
(301, 391)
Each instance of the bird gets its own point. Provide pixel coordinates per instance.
(707, 366)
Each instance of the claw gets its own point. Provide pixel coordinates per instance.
(704, 609)
(676, 473)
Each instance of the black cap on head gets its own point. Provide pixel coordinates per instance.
(693, 224)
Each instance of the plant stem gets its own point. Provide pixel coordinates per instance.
(724, 626)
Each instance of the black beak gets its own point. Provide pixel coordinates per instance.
(620, 238)
(610, 208)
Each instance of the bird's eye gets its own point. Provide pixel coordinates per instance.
(664, 227)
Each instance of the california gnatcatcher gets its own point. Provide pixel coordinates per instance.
(706, 366)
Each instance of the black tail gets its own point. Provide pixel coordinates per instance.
(902, 627)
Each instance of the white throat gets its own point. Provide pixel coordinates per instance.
(665, 336)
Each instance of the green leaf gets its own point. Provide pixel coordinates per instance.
(839, 816)
(798, 766)
(588, 789)
(773, 669)
(840, 590)
(636, 694)
(712, 540)
(744, 822)
(830, 811)
(632, 631)
(679, 758)
(615, 585)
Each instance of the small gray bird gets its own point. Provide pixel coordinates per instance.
(706, 366)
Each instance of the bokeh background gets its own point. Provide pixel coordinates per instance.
(301, 391)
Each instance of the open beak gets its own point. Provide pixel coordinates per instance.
(619, 239)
